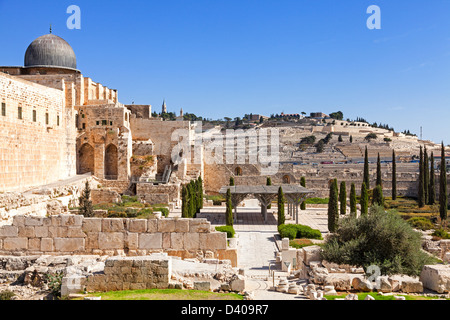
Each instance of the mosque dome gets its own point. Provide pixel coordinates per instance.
(50, 51)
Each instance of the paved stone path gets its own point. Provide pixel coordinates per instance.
(257, 246)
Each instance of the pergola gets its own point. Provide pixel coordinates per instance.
(294, 194)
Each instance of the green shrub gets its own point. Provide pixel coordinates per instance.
(164, 211)
(6, 295)
(228, 229)
(54, 282)
(145, 213)
(379, 238)
(441, 233)
(298, 231)
(420, 223)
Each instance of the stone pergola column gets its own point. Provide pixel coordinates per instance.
(264, 199)
(236, 199)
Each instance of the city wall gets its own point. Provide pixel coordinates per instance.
(75, 234)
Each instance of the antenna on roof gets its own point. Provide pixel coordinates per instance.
(50, 28)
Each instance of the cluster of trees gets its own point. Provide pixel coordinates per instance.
(426, 193)
(337, 115)
(192, 198)
(322, 142)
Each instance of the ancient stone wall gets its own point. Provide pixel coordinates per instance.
(130, 273)
(75, 234)
(33, 144)
(153, 194)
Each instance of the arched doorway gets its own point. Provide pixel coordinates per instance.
(111, 162)
(238, 171)
(286, 179)
(86, 162)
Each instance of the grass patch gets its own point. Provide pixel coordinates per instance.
(166, 294)
(362, 296)
(300, 243)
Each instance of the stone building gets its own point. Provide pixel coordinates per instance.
(57, 123)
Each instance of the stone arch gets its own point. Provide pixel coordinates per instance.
(286, 179)
(111, 162)
(86, 160)
(238, 171)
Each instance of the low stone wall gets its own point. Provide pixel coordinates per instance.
(75, 234)
(105, 196)
(130, 273)
(153, 194)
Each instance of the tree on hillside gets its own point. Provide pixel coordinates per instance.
(337, 115)
(364, 201)
(378, 198)
(394, 177)
(379, 180)
(86, 207)
(333, 209)
(303, 184)
(420, 188)
(353, 208)
(443, 197)
(281, 216)
(432, 187)
(370, 136)
(343, 198)
(426, 175)
(366, 178)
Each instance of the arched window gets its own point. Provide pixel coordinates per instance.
(286, 179)
(238, 171)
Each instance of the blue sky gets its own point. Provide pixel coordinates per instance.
(219, 58)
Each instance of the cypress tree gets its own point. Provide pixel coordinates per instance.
(353, 200)
(281, 216)
(378, 198)
(231, 181)
(426, 176)
(351, 139)
(364, 201)
(366, 178)
(443, 197)
(268, 181)
(432, 187)
(184, 203)
(379, 180)
(86, 207)
(420, 191)
(199, 194)
(333, 209)
(191, 199)
(303, 184)
(394, 177)
(229, 210)
(343, 198)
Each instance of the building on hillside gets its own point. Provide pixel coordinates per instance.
(318, 115)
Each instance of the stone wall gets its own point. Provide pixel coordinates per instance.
(105, 196)
(32, 151)
(75, 234)
(130, 273)
(153, 194)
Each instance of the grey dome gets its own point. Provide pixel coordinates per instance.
(50, 51)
